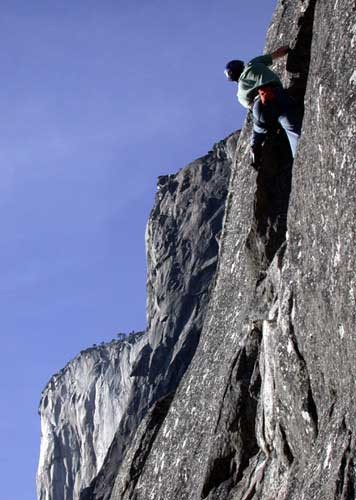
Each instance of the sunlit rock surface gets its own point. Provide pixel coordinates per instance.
(80, 410)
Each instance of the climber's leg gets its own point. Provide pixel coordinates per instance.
(260, 122)
(259, 133)
(289, 118)
(292, 129)
(263, 118)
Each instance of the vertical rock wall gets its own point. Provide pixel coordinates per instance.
(317, 313)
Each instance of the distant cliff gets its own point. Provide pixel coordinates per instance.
(80, 409)
(262, 338)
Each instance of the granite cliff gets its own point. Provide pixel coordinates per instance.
(80, 409)
(263, 405)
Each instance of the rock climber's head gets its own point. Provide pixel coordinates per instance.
(233, 70)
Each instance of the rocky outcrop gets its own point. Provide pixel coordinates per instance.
(92, 409)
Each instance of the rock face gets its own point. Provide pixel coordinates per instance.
(266, 407)
(94, 406)
(80, 409)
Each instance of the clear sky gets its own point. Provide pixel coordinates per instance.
(96, 100)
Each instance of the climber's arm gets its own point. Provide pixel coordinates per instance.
(268, 59)
(280, 52)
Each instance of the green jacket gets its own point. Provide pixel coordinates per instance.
(255, 75)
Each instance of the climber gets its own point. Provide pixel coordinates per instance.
(261, 91)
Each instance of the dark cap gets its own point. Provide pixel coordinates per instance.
(233, 70)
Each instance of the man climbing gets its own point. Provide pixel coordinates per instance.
(261, 91)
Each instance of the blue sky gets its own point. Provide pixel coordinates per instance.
(96, 100)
